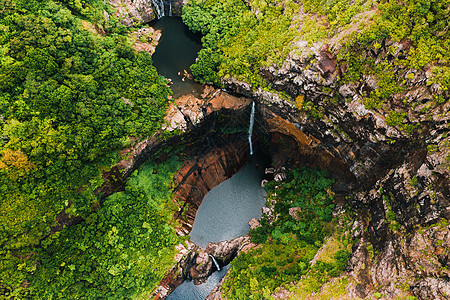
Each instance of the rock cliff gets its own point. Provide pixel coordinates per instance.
(134, 12)
(397, 175)
(139, 12)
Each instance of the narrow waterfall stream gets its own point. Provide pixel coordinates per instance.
(250, 127)
(159, 6)
(215, 262)
(227, 208)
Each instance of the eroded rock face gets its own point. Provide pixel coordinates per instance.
(133, 12)
(140, 12)
(201, 174)
(401, 180)
(432, 288)
(197, 265)
(188, 110)
(225, 251)
(202, 268)
(200, 121)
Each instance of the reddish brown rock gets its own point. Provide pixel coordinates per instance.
(202, 268)
(327, 63)
(189, 110)
(288, 139)
(199, 175)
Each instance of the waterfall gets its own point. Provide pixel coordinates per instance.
(170, 8)
(250, 128)
(159, 6)
(215, 262)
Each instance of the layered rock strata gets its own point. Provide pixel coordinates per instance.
(139, 12)
(401, 173)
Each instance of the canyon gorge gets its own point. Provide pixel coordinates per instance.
(357, 110)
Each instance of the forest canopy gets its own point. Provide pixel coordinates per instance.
(74, 92)
(70, 98)
(242, 38)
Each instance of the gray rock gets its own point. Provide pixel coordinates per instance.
(133, 12)
(432, 288)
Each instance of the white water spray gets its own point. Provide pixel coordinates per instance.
(159, 6)
(250, 128)
(215, 262)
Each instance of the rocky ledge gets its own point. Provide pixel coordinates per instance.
(401, 173)
(196, 264)
(133, 13)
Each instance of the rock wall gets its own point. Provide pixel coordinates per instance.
(401, 180)
(213, 134)
(199, 175)
(139, 12)
(134, 12)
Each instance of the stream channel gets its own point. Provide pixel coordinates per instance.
(227, 208)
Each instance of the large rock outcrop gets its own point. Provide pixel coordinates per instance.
(193, 263)
(134, 12)
(401, 179)
(139, 12)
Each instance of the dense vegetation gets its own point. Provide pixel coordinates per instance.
(237, 41)
(70, 99)
(243, 36)
(288, 244)
(73, 91)
(120, 251)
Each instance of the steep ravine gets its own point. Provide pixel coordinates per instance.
(402, 184)
(397, 181)
(214, 143)
(377, 175)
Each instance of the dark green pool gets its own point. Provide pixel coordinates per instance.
(176, 52)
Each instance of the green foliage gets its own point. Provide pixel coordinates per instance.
(68, 99)
(377, 295)
(62, 92)
(121, 250)
(267, 267)
(286, 245)
(238, 41)
(395, 118)
(338, 13)
(240, 37)
(418, 21)
(309, 191)
(394, 225)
